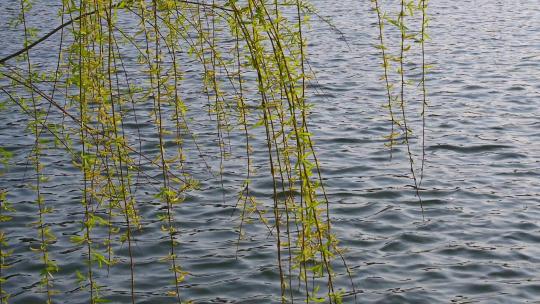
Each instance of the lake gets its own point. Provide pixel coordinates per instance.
(478, 243)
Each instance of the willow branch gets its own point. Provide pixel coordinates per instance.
(40, 40)
(67, 23)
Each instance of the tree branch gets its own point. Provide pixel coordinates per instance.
(118, 5)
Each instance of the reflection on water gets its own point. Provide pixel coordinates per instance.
(479, 243)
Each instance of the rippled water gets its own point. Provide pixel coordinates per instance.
(480, 241)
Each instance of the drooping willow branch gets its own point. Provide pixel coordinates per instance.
(423, 36)
(397, 100)
(93, 132)
(401, 70)
(263, 72)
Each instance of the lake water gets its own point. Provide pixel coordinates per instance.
(480, 240)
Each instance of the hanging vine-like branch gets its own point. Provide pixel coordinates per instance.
(250, 57)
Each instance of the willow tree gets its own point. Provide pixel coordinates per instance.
(118, 81)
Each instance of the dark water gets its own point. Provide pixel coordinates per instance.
(480, 241)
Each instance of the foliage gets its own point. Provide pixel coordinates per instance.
(252, 57)
(249, 58)
(395, 75)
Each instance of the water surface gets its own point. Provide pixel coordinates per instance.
(480, 239)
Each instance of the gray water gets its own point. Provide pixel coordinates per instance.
(479, 242)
